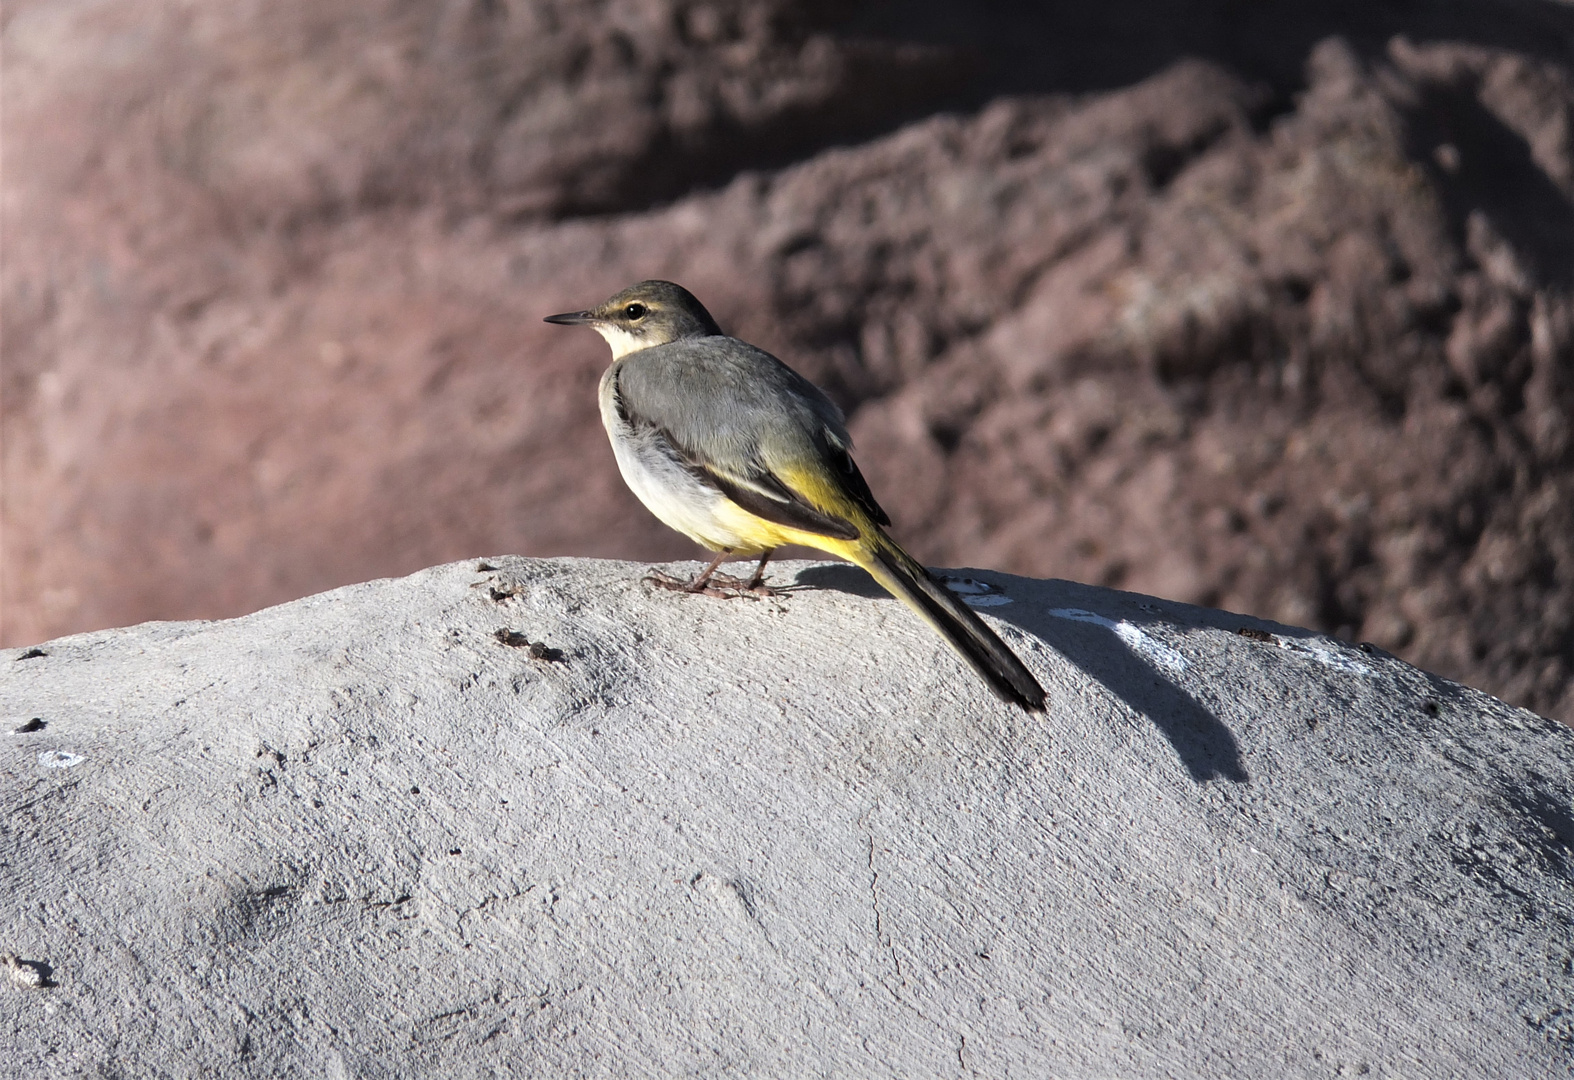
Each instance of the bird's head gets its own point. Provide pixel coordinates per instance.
(643, 316)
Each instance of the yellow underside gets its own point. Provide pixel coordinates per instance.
(755, 534)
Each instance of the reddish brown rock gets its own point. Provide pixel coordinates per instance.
(273, 300)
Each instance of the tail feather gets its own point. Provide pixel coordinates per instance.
(904, 578)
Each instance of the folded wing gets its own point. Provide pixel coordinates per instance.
(777, 447)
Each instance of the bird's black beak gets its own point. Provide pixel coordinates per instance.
(569, 318)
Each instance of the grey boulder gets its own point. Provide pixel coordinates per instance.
(525, 817)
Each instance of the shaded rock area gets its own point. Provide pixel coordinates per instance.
(1268, 309)
(534, 817)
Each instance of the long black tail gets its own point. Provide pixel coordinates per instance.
(976, 643)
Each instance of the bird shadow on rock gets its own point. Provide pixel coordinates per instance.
(1204, 745)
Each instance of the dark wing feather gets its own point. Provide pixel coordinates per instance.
(754, 409)
(764, 495)
(784, 509)
(855, 485)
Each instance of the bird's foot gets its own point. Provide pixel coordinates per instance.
(716, 585)
(721, 586)
(754, 587)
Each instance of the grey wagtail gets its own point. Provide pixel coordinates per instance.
(731, 447)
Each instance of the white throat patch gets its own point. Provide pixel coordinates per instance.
(621, 340)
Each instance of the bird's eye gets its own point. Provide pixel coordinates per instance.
(634, 312)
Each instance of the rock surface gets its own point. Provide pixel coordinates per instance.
(1267, 309)
(361, 835)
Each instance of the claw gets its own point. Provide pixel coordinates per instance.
(721, 586)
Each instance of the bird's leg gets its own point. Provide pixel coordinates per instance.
(754, 587)
(698, 584)
(709, 582)
(701, 582)
(756, 583)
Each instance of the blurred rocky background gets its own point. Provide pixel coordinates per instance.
(1264, 304)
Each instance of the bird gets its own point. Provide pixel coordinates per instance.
(729, 446)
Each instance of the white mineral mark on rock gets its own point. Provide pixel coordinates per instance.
(975, 593)
(60, 759)
(1138, 640)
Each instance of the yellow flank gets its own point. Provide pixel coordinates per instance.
(755, 534)
(821, 491)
